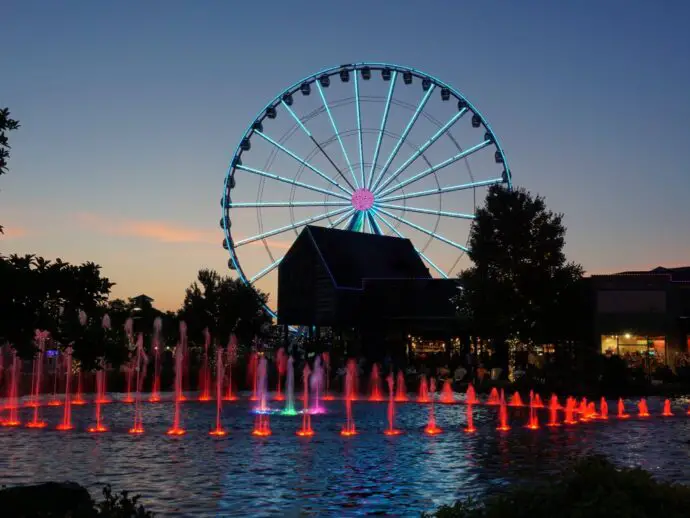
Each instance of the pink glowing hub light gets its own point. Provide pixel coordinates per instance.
(363, 199)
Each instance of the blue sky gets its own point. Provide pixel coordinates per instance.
(131, 111)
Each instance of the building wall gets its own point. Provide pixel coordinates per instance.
(635, 312)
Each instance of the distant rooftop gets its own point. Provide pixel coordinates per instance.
(141, 297)
(678, 274)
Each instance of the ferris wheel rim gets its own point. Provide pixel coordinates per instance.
(314, 78)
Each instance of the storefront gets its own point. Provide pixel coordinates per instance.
(630, 345)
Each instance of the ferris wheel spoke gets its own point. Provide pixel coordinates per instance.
(425, 231)
(316, 143)
(359, 126)
(402, 138)
(337, 134)
(267, 270)
(341, 219)
(421, 254)
(280, 230)
(382, 129)
(433, 169)
(441, 190)
(302, 161)
(289, 181)
(423, 148)
(444, 213)
(267, 204)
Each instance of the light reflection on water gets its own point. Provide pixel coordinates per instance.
(326, 475)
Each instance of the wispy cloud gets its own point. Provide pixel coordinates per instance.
(159, 231)
(13, 232)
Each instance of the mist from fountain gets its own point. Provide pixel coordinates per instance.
(317, 387)
(156, 344)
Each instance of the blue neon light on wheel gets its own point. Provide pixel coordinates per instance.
(369, 147)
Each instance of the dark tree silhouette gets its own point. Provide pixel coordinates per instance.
(6, 125)
(39, 294)
(520, 285)
(223, 305)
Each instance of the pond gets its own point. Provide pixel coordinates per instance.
(326, 475)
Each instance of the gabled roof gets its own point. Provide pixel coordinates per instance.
(351, 257)
(141, 297)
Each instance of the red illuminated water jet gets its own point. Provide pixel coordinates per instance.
(470, 420)
(538, 403)
(391, 430)
(447, 393)
(516, 400)
(179, 373)
(155, 396)
(603, 409)
(494, 398)
(78, 398)
(642, 410)
(99, 427)
(667, 412)
(67, 411)
(37, 371)
(583, 408)
(350, 381)
(533, 423)
(554, 407)
(570, 409)
(205, 371)
(591, 412)
(621, 410)
(262, 426)
(400, 389)
(140, 368)
(471, 395)
(423, 396)
(375, 384)
(431, 427)
(281, 365)
(502, 414)
(13, 392)
(306, 429)
(130, 375)
(327, 396)
(54, 401)
(232, 359)
(218, 431)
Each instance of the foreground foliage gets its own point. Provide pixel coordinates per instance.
(592, 488)
(67, 499)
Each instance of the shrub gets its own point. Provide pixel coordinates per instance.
(121, 506)
(67, 500)
(592, 488)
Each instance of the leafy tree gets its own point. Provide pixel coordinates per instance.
(6, 125)
(520, 285)
(223, 305)
(40, 294)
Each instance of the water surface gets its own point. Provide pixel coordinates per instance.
(326, 475)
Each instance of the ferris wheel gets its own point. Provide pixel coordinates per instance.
(368, 147)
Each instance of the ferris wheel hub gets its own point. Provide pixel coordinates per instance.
(363, 199)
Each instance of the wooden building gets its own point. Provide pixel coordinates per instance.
(375, 288)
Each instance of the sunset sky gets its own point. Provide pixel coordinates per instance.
(131, 111)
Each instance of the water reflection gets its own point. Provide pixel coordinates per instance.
(326, 475)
